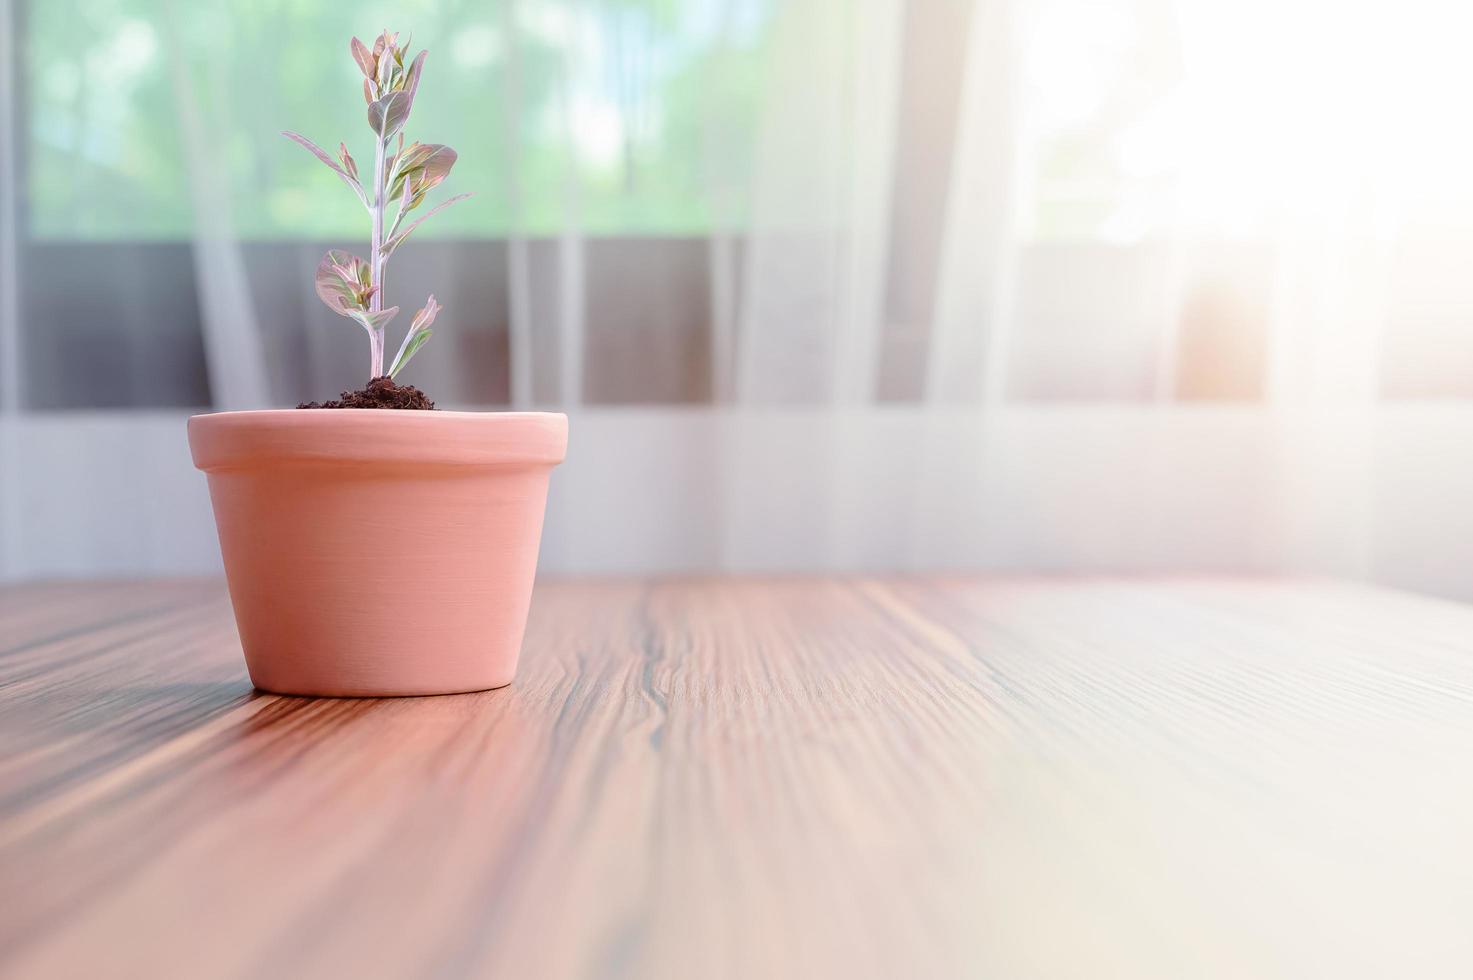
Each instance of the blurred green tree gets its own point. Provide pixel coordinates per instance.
(621, 117)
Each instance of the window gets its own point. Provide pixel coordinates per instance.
(614, 111)
(624, 123)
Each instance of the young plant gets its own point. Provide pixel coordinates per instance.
(348, 285)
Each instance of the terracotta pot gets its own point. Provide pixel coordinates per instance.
(376, 552)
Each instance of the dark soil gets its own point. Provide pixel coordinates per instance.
(378, 393)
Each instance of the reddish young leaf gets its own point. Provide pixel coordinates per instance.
(375, 321)
(398, 239)
(387, 115)
(342, 282)
(347, 159)
(350, 179)
(366, 61)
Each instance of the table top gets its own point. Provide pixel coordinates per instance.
(757, 778)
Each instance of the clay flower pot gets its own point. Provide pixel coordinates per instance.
(379, 553)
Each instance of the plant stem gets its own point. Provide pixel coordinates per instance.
(376, 353)
(376, 255)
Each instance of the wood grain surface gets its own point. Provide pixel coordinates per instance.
(757, 778)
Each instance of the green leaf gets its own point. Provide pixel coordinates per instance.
(421, 167)
(419, 333)
(408, 351)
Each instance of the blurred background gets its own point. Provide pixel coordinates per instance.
(857, 285)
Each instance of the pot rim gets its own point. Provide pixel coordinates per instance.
(376, 436)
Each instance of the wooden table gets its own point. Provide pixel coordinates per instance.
(757, 778)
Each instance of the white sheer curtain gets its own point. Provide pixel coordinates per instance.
(1305, 162)
(1019, 284)
(232, 338)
